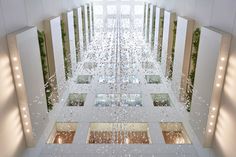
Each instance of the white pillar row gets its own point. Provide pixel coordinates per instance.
(79, 30)
(158, 32)
(152, 25)
(182, 57)
(52, 28)
(208, 84)
(167, 42)
(147, 22)
(68, 19)
(26, 60)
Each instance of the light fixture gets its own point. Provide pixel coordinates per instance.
(222, 59)
(212, 116)
(14, 59)
(18, 76)
(209, 130)
(213, 109)
(28, 130)
(26, 123)
(211, 123)
(23, 108)
(217, 85)
(25, 116)
(219, 76)
(17, 68)
(221, 68)
(19, 84)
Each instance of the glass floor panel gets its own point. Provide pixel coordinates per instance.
(76, 99)
(84, 79)
(125, 100)
(174, 133)
(119, 133)
(62, 133)
(153, 79)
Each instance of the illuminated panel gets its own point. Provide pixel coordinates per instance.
(28, 76)
(210, 72)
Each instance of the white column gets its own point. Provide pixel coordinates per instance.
(147, 22)
(79, 29)
(54, 45)
(167, 42)
(84, 28)
(158, 32)
(182, 57)
(68, 19)
(91, 20)
(27, 71)
(87, 23)
(209, 78)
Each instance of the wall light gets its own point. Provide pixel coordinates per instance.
(15, 59)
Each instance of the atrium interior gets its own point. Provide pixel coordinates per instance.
(117, 78)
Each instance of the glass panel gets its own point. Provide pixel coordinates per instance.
(119, 133)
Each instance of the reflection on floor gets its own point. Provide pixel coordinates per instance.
(121, 137)
(64, 137)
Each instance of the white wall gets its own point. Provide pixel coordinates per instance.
(14, 15)
(222, 15)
